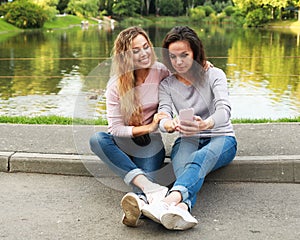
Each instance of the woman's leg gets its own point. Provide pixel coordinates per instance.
(182, 149)
(104, 146)
(218, 152)
(134, 170)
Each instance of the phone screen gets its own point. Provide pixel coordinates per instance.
(186, 114)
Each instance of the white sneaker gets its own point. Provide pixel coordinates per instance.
(155, 210)
(176, 218)
(157, 195)
(131, 205)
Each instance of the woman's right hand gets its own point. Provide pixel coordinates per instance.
(171, 125)
(155, 122)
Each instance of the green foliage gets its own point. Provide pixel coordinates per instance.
(25, 14)
(62, 5)
(197, 14)
(238, 18)
(229, 10)
(125, 8)
(171, 7)
(83, 8)
(257, 17)
(208, 10)
(4, 8)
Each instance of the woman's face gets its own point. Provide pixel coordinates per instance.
(141, 52)
(181, 56)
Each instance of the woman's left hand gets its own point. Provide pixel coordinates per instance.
(189, 128)
(207, 65)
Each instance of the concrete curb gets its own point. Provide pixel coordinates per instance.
(277, 168)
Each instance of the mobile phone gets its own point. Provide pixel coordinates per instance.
(186, 114)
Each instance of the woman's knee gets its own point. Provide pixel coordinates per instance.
(96, 139)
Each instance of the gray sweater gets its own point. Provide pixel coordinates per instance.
(208, 98)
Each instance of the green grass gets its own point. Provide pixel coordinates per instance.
(266, 120)
(5, 27)
(57, 120)
(65, 22)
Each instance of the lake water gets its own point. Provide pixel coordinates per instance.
(64, 72)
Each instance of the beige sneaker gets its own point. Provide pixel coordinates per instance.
(131, 205)
(176, 218)
(155, 210)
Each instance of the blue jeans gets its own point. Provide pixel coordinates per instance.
(126, 159)
(193, 158)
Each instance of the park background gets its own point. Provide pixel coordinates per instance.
(52, 51)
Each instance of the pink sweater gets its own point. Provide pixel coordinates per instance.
(148, 93)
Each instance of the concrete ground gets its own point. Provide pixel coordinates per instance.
(256, 197)
(45, 206)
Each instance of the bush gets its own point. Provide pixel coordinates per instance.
(208, 10)
(171, 7)
(229, 10)
(24, 14)
(197, 14)
(238, 18)
(257, 17)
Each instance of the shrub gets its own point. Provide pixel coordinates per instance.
(238, 18)
(171, 7)
(208, 10)
(229, 10)
(197, 14)
(25, 14)
(257, 17)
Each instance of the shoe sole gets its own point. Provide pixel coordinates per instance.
(173, 221)
(131, 210)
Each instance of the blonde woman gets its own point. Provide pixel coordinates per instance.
(133, 146)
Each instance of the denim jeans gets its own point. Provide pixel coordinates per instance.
(193, 158)
(126, 159)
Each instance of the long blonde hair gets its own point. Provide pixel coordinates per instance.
(123, 68)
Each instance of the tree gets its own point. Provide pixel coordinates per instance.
(62, 5)
(248, 6)
(297, 4)
(171, 7)
(25, 14)
(126, 7)
(84, 8)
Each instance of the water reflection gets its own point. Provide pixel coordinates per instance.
(64, 72)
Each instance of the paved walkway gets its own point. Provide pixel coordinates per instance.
(256, 197)
(59, 207)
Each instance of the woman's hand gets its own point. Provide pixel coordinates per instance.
(189, 128)
(207, 65)
(171, 125)
(156, 119)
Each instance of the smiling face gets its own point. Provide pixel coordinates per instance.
(181, 56)
(141, 52)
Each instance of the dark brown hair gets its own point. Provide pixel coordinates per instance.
(184, 33)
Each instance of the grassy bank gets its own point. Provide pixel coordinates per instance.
(59, 22)
(6, 27)
(65, 22)
(69, 121)
(70, 20)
